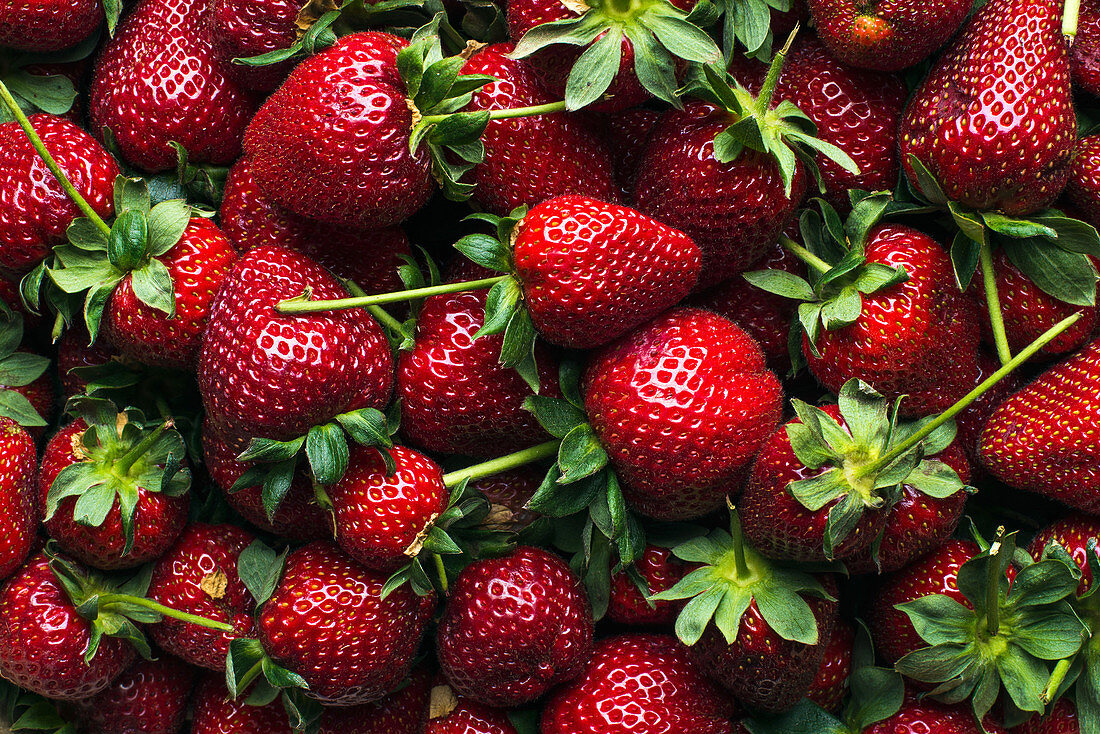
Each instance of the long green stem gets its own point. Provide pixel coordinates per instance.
(40, 148)
(1055, 681)
(380, 314)
(296, 306)
(804, 255)
(122, 465)
(250, 675)
(504, 463)
(993, 305)
(985, 386)
(767, 90)
(993, 586)
(539, 109)
(1070, 13)
(166, 611)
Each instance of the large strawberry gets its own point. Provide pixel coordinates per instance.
(159, 81)
(252, 28)
(34, 25)
(993, 122)
(151, 697)
(18, 516)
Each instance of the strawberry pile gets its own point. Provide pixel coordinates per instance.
(550, 367)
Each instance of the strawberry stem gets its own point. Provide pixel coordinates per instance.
(122, 466)
(739, 563)
(504, 463)
(767, 91)
(804, 255)
(1070, 13)
(166, 611)
(539, 109)
(293, 305)
(40, 148)
(993, 586)
(1055, 681)
(993, 305)
(969, 398)
(441, 571)
(380, 314)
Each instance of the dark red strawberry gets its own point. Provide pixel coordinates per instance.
(508, 494)
(149, 697)
(639, 684)
(251, 28)
(831, 684)
(1039, 439)
(263, 374)
(1083, 188)
(404, 711)
(886, 34)
(660, 570)
(514, 627)
(216, 712)
(43, 639)
(198, 575)
(681, 406)
(926, 714)
(18, 512)
(993, 121)
(1062, 718)
(74, 352)
(627, 133)
(971, 421)
(48, 25)
(451, 715)
(572, 157)
(34, 209)
(299, 630)
(1085, 51)
(159, 81)
(1073, 533)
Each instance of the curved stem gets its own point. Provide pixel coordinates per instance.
(250, 675)
(767, 90)
(504, 463)
(993, 586)
(970, 397)
(40, 148)
(804, 255)
(539, 109)
(123, 465)
(993, 305)
(166, 611)
(294, 306)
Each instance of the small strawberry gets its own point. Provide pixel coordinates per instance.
(1074, 534)
(251, 28)
(993, 121)
(47, 25)
(638, 684)
(149, 697)
(452, 715)
(830, 687)
(514, 627)
(628, 604)
(404, 711)
(18, 513)
(927, 714)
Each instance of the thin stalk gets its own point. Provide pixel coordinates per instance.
(539, 109)
(504, 463)
(993, 305)
(993, 587)
(767, 90)
(441, 571)
(166, 611)
(1055, 681)
(123, 465)
(250, 675)
(40, 148)
(804, 255)
(738, 545)
(294, 306)
(985, 386)
(1070, 13)
(380, 314)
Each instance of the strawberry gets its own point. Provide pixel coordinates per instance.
(508, 493)
(1039, 438)
(74, 352)
(1061, 719)
(572, 158)
(1004, 79)
(927, 714)
(296, 626)
(404, 711)
(681, 405)
(216, 712)
(831, 684)
(255, 373)
(45, 644)
(1083, 188)
(638, 684)
(245, 29)
(113, 490)
(627, 133)
(660, 571)
(971, 421)
(34, 25)
(514, 627)
(1085, 51)
(451, 715)
(887, 35)
(34, 210)
(1074, 534)
(199, 575)
(18, 515)
(149, 697)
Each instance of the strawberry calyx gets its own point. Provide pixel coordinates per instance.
(1012, 638)
(119, 455)
(660, 33)
(17, 369)
(749, 22)
(733, 575)
(29, 711)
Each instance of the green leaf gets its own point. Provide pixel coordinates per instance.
(260, 568)
(697, 614)
(580, 455)
(654, 67)
(153, 286)
(965, 255)
(1073, 234)
(748, 21)
(131, 194)
(685, 40)
(787, 613)
(557, 416)
(501, 303)
(279, 676)
(16, 406)
(487, 251)
(367, 427)
(1014, 227)
(270, 450)
(874, 277)
(1023, 677)
(805, 718)
(936, 664)
(276, 483)
(22, 368)
(816, 492)
(244, 655)
(864, 411)
(781, 283)
(935, 479)
(593, 71)
(939, 619)
(52, 93)
(809, 448)
(168, 221)
(926, 183)
(1051, 633)
(1068, 276)
(969, 222)
(572, 31)
(327, 451)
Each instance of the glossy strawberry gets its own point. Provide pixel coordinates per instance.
(1039, 439)
(404, 711)
(74, 352)
(1083, 188)
(159, 80)
(34, 209)
(927, 714)
(571, 156)
(971, 421)
(660, 570)
(831, 684)
(33, 25)
(681, 405)
(299, 631)
(993, 121)
(198, 575)
(245, 28)
(149, 697)
(463, 716)
(341, 122)
(638, 684)
(43, 638)
(217, 713)
(514, 627)
(1085, 51)
(18, 513)
(263, 374)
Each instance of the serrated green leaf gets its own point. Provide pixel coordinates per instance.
(787, 613)
(259, 568)
(654, 67)
(939, 619)
(557, 416)
(934, 479)
(926, 183)
(168, 221)
(580, 455)
(501, 303)
(270, 450)
(781, 283)
(487, 251)
(1016, 227)
(367, 427)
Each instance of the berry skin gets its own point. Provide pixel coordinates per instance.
(638, 684)
(48, 25)
(245, 28)
(1085, 52)
(661, 570)
(404, 711)
(1073, 533)
(831, 684)
(627, 133)
(929, 715)
(514, 627)
(43, 639)
(1062, 719)
(149, 697)
(1083, 188)
(217, 713)
(34, 210)
(508, 493)
(470, 717)
(18, 513)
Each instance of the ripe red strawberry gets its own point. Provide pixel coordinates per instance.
(217, 713)
(1040, 439)
(993, 121)
(514, 627)
(18, 513)
(198, 575)
(74, 352)
(34, 209)
(404, 711)
(341, 122)
(508, 493)
(1083, 188)
(250, 28)
(299, 631)
(456, 397)
(452, 715)
(1085, 51)
(1073, 533)
(43, 639)
(660, 570)
(971, 421)
(638, 684)
(887, 35)
(263, 374)
(100, 452)
(681, 406)
(1062, 719)
(37, 26)
(159, 80)
(383, 515)
(831, 684)
(627, 134)
(149, 697)
(927, 714)
(572, 158)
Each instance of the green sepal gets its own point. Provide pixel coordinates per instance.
(259, 568)
(1063, 274)
(876, 693)
(806, 717)
(17, 369)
